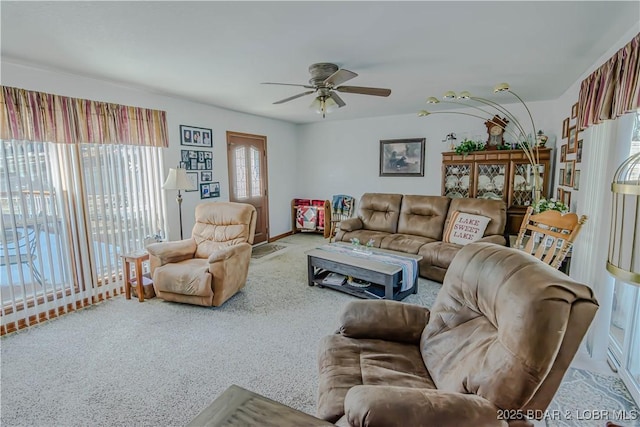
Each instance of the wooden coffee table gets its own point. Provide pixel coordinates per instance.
(379, 274)
(240, 407)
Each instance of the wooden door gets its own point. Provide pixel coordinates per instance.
(247, 160)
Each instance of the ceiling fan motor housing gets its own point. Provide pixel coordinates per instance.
(320, 71)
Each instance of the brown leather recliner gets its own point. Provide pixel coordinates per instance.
(494, 347)
(211, 266)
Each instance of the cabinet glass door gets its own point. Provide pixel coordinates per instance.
(457, 180)
(522, 183)
(491, 181)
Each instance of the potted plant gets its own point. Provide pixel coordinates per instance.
(467, 146)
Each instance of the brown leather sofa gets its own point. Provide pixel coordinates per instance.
(493, 348)
(211, 266)
(415, 225)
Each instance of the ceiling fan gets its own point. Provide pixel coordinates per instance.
(325, 81)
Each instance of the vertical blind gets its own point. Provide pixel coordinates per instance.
(69, 210)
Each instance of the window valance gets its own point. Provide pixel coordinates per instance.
(39, 116)
(613, 89)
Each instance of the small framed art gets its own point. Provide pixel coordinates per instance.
(576, 180)
(214, 189)
(574, 110)
(559, 194)
(565, 128)
(579, 152)
(402, 157)
(563, 153)
(566, 198)
(195, 136)
(571, 140)
(206, 176)
(568, 177)
(561, 178)
(193, 177)
(205, 190)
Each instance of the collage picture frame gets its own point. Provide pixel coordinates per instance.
(196, 136)
(570, 157)
(209, 190)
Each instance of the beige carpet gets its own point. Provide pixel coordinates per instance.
(124, 363)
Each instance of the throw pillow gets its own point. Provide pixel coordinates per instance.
(465, 228)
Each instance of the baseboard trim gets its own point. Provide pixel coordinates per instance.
(280, 236)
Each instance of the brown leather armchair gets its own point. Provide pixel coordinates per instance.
(493, 348)
(211, 266)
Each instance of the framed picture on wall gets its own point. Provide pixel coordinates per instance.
(576, 180)
(559, 194)
(568, 178)
(205, 190)
(193, 177)
(195, 136)
(402, 157)
(561, 178)
(579, 152)
(574, 110)
(572, 140)
(565, 128)
(214, 189)
(563, 153)
(566, 198)
(206, 176)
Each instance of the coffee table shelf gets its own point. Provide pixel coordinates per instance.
(379, 274)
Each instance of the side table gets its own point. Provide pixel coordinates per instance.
(138, 258)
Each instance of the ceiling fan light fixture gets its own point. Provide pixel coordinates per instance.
(501, 87)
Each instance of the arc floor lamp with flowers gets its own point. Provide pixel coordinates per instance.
(486, 110)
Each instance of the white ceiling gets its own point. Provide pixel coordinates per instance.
(218, 53)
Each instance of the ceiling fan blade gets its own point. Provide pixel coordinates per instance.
(339, 77)
(337, 98)
(291, 98)
(376, 91)
(287, 84)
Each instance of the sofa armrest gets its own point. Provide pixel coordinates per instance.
(166, 252)
(373, 405)
(385, 320)
(351, 224)
(494, 238)
(227, 252)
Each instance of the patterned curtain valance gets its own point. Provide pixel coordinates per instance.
(39, 116)
(613, 89)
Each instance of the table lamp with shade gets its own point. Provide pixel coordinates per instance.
(178, 180)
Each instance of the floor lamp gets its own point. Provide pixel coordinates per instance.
(178, 180)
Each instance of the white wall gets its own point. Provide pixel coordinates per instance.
(343, 157)
(281, 137)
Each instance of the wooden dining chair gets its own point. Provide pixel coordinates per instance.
(549, 235)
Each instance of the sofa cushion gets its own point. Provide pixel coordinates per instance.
(465, 228)
(423, 216)
(363, 236)
(380, 212)
(439, 254)
(404, 243)
(494, 209)
(344, 362)
(190, 277)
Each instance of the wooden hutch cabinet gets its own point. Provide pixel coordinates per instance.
(496, 174)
